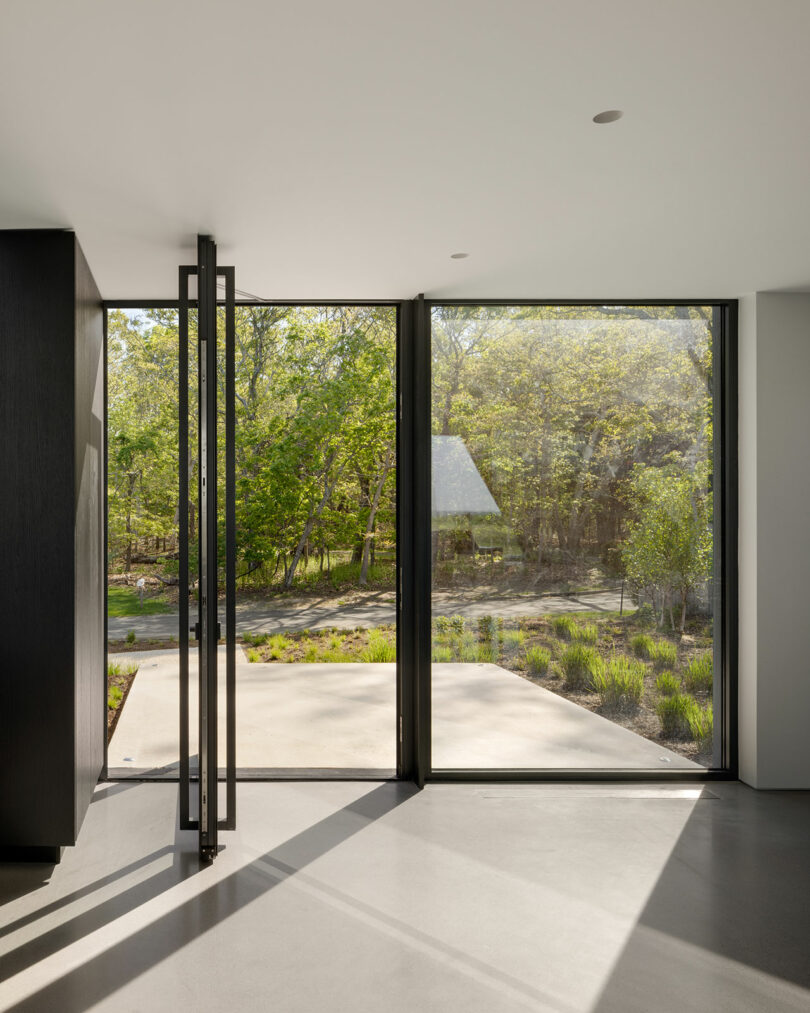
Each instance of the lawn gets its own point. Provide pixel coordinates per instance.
(124, 601)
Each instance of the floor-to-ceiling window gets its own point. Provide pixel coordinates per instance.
(574, 599)
(315, 494)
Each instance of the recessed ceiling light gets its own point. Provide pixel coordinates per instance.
(458, 256)
(608, 116)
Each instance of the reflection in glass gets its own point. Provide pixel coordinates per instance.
(572, 537)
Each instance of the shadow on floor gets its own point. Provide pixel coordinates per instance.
(729, 912)
(97, 978)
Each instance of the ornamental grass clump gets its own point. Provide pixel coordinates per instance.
(564, 627)
(677, 713)
(620, 684)
(579, 665)
(642, 644)
(663, 655)
(667, 684)
(441, 653)
(379, 648)
(587, 634)
(701, 726)
(698, 675)
(537, 660)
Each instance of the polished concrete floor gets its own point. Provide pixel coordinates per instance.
(344, 716)
(375, 897)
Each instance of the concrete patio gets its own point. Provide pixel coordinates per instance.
(322, 716)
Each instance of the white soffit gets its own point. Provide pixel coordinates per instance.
(346, 150)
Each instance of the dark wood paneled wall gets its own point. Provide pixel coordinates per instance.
(51, 432)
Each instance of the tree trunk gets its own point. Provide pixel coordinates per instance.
(312, 520)
(372, 516)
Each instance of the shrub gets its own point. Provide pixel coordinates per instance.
(620, 684)
(564, 626)
(131, 637)
(441, 653)
(253, 655)
(701, 726)
(663, 655)
(442, 624)
(676, 714)
(537, 660)
(579, 664)
(457, 624)
(642, 645)
(379, 649)
(667, 684)
(485, 624)
(698, 674)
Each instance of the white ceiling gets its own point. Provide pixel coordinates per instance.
(346, 149)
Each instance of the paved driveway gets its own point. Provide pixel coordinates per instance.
(373, 610)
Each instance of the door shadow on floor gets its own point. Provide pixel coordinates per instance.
(82, 988)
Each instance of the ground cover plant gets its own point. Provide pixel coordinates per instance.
(120, 676)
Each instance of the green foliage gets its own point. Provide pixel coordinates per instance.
(442, 653)
(620, 684)
(379, 649)
(667, 684)
(253, 655)
(537, 660)
(442, 624)
(668, 551)
(701, 726)
(114, 697)
(677, 714)
(486, 653)
(514, 638)
(114, 669)
(311, 653)
(255, 639)
(663, 654)
(131, 638)
(587, 634)
(564, 626)
(698, 675)
(123, 601)
(642, 645)
(579, 664)
(278, 644)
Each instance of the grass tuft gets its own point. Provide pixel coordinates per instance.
(698, 675)
(379, 648)
(579, 664)
(676, 713)
(663, 655)
(667, 684)
(642, 645)
(620, 684)
(537, 660)
(564, 627)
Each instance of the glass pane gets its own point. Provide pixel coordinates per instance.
(316, 546)
(572, 537)
(142, 547)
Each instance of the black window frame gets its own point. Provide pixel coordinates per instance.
(413, 526)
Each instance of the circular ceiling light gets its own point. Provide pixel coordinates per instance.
(459, 256)
(608, 116)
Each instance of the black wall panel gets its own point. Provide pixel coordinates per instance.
(51, 653)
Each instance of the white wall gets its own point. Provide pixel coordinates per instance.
(774, 540)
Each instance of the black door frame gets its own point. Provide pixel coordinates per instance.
(413, 478)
